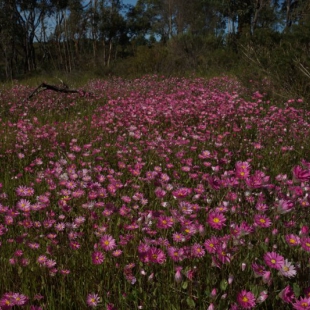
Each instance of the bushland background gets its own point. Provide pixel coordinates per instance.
(265, 43)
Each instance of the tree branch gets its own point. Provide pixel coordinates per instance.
(64, 89)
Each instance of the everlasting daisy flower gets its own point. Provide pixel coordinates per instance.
(258, 270)
(24, 205)
(164, 222)
(24, 191)
(216, 220)
(223, 256)
(287, 269)
(117, 253)
(107, 242)
(261, 207)
(284, 206)
(181, 192)
(19, 299)
(156, 256)
(211, 244)
(7, 301)
(274, 260)
(242, 170)
(42, 259)
(197, 250)
(300, 175)
(292, 240)
(305, 243)
(262, 220)
(97, 257)
(246, 300)
(302, 304)
(92, 300)
(175, 254)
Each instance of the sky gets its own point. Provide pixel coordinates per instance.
(130, 2)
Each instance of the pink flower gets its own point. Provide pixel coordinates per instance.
(182, 192)
(242, 170)
(197, 250)
(287, 269)
(284, 206)
(287, 294)
(97, 258)
(305, 243)
(164, 222)
(211, 307)
(24, 191)
(211, 244)
(262, 297)
(177, 237)
(246, 300)
(262, 220)
(156, 256)
(274, 260)
(292, 240)
(216, 220)
(175, 254)
(24, 205)
(19, 299)
(302, 304)
(107, 242)
(92, 300)
(117, 253)
(178, 274)
(300, 175)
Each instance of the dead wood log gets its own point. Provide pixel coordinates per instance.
(64, 89)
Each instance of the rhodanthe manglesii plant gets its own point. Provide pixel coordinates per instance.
(159, 192)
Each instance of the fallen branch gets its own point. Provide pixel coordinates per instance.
(64, 89)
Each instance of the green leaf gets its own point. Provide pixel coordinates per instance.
(223, 285)
(296, 290)
(190, 302)
(184, 285)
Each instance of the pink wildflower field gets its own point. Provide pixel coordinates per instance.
(154, 193)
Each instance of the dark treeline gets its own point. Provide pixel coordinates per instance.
(266, 40)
